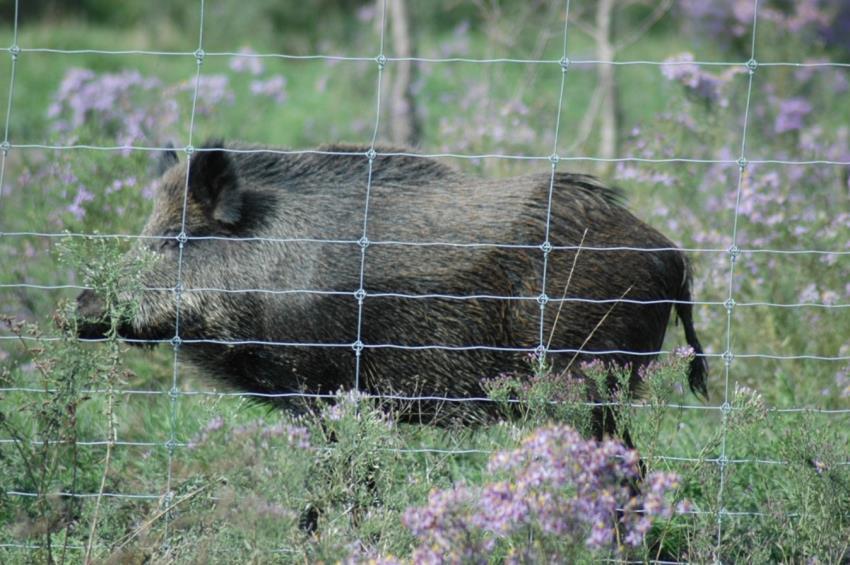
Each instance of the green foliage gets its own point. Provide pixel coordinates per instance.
(44, 457)
(543, 396)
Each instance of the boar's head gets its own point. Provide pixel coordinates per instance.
(199, 207)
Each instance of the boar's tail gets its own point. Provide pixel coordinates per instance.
(699, 365)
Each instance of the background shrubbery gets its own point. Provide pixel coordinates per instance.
(216, 477)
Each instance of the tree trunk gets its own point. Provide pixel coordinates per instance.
(607, 85)
(404, 126)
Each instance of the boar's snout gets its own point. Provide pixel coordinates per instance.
(91, 316)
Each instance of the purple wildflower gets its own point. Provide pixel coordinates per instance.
(110, 102)
(791, 114)
(366, 13)
(809, 294)
(684, 352)
(213, 90)
(720, 17)
(556, 484)
(247, 62)
(458, 44)
(702, 84)
(274, 88)
(76, 207)
(298, 436)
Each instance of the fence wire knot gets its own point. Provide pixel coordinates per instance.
(176, 342)
(725, 408)
(382, 61)
(565, 64)
(546, 247)
(554, 159)
(542, 299)
(5, 147)
(752, 65)
(363, 242)
(182, 238)
(357, 346)
(189, 149)
(15, 50)
(199, 56)
(742, 163)
(360, 294)
(734, 251)
(728, 356)
(730, 304)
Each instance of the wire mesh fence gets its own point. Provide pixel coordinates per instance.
(382, 60)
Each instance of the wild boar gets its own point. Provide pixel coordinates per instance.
(397, 274)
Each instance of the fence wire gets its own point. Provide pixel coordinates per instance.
(728, 354)
(362, 293)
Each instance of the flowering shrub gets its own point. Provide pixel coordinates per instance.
(273, 88)
(126, 109)
(297, 437)
(115, 105)
(246, 63)
(556, 497)
(720, 17)
(782, 207)
(702, 85)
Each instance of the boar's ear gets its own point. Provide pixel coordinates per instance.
(214, 184)
(167, 159)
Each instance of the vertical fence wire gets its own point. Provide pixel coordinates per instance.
(363, 242)
(5, 145)
(177, 341)
(734, 253)
(546, 245)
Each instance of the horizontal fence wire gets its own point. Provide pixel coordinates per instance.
(390, 58)
(441, 296)
(422, 398)
(18, 53)
(431, 347)
(443, 155)
(411, 450)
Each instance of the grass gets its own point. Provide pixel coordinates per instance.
(241, 496)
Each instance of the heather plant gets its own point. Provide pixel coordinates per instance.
(356, 471)
(799, 503)
(660, 382)
(818, 456)
(570, 397)
(814, 20)
(781, 207)
(557, 497)
(311, 486)
(122, 106)
(542, 396)
(43, 456)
